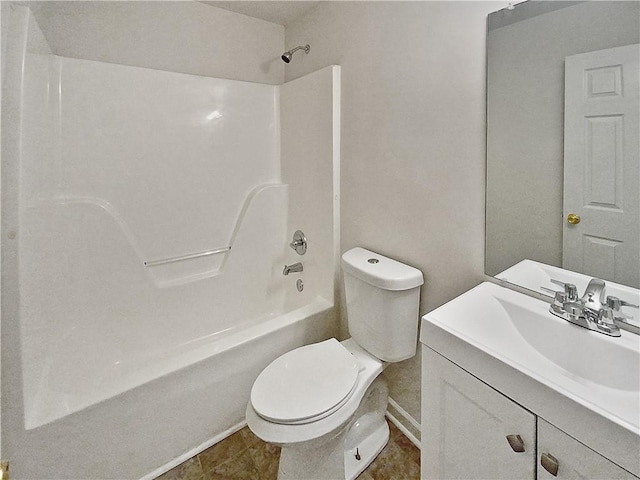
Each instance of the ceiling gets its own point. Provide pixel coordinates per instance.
(281, 12)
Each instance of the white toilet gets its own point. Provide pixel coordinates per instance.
(324, 403)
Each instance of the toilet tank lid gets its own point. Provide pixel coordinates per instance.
(380, 271)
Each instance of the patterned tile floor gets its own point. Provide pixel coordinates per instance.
(243, 456)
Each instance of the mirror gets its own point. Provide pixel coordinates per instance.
(550, 152)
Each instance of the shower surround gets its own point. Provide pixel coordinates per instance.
(147, 218)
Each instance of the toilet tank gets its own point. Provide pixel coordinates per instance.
(383, 297)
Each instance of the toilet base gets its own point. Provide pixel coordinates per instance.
(368, 450)
(334, 455)
(323, 463)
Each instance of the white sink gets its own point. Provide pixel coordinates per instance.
(582, 381)
(589, 357)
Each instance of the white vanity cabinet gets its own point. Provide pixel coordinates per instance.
(574, 460)
(465, 424)
(472, 431)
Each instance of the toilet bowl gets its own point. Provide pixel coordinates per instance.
(324, 404)
(314, 448)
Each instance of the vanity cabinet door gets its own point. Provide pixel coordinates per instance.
(572, 459)
(465, 425)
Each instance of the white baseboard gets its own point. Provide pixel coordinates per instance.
(408, 425)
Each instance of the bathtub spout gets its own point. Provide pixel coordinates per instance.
(296, 267)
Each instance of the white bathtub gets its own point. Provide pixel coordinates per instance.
(199, 395)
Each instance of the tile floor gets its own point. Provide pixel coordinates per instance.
(244, 456)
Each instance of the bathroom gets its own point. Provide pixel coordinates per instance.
(408, 176)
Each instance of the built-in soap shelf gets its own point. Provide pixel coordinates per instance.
(190, 256)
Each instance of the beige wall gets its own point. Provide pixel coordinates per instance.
(413, 139)
(184, 37)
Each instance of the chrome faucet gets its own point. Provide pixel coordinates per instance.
(587, 311)
(296, 267)
(594, 310)
(593, 297)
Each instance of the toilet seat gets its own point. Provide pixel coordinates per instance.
(306, 384)
(286, 434)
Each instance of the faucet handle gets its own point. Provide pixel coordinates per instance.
(558, 297)
(550, 290)
(299, 243)
(614, 303)
(559, 301)
(569, 289)
(606, 324)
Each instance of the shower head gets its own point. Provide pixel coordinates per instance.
(286, 56)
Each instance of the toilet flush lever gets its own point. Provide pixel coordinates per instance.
(299, 243)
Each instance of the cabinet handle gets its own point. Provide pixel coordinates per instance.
(549, 463)
(516, 443)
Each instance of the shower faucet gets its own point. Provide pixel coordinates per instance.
(299, 243)
(296, 267)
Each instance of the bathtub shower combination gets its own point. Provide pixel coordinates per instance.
(146, 219)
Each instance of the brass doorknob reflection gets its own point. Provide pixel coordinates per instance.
(573, 219)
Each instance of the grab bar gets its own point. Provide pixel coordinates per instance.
(206, 253)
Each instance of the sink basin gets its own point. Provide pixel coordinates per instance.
(600, 373)
(586, 356)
